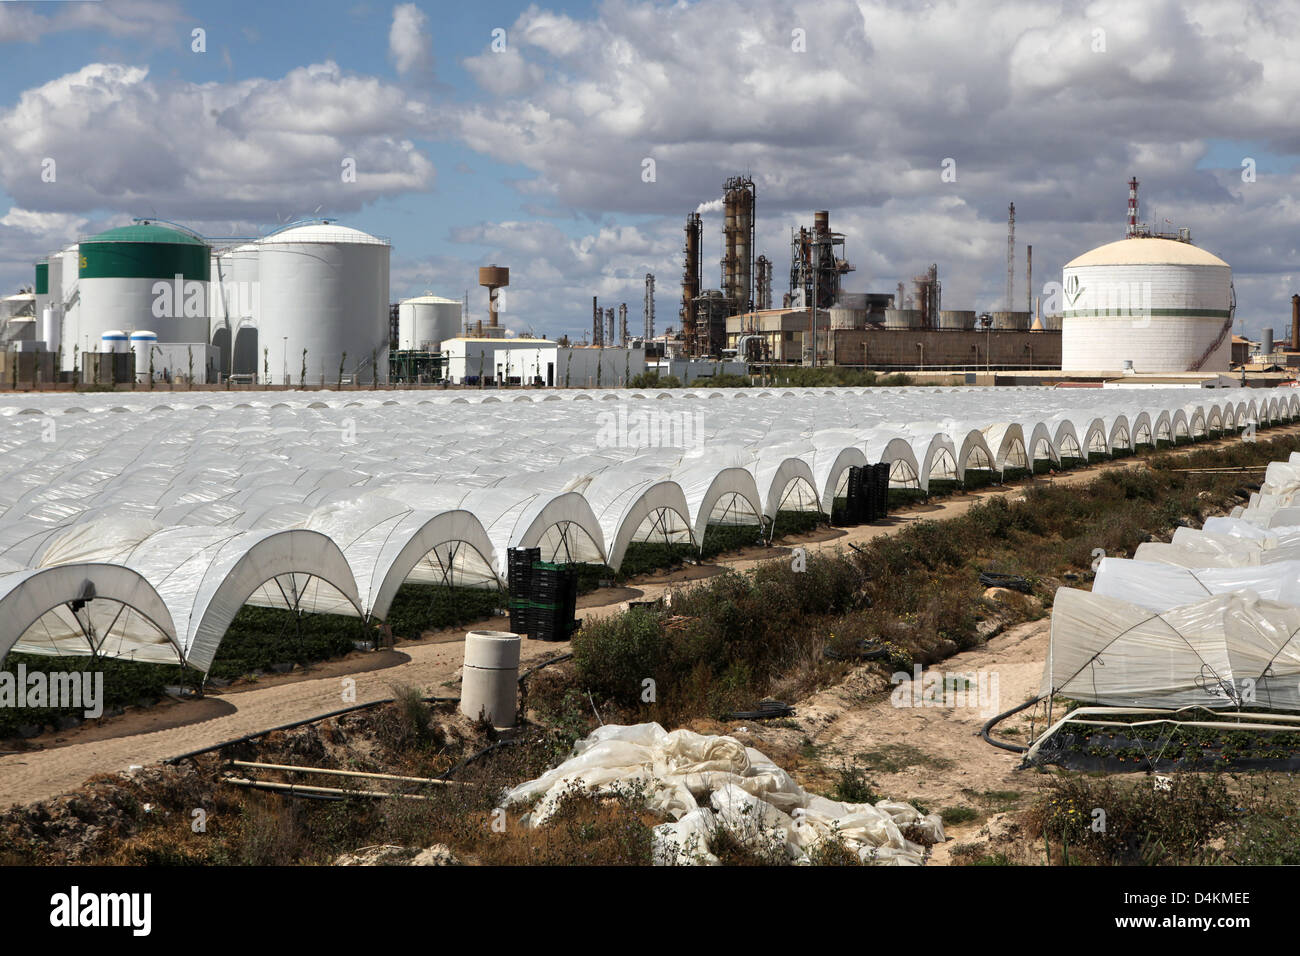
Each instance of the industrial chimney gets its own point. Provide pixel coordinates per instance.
(1295, 322)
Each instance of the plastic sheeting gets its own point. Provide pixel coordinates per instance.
(1161, 587)
(1221, 652)
(708, 782)
(134, 479)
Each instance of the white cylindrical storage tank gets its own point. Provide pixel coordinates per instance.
(239, 272)
(142, 344)
(50, 327)
(145, 276)
(1051, 323)
(490, 679)
(324, 289)
(956, 319)
(70, 290)
(424, 322)
(902, 318)
(1164, 304)
(113, 340)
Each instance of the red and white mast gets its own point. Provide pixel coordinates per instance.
(1132, 209)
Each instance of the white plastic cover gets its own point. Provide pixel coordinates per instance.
(1220, 652)
(704, 782)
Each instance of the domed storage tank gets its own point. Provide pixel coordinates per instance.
(324, 288)
(128, 280)
(954, 319)
(425, 321)
(1163, 304)
(902, 318)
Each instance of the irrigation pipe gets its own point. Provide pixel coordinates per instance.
(987, 729)
(251, 765)
(306, 790)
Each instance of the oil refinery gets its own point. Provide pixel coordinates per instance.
(308, 304)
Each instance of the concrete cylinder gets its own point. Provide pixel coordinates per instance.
(956, 320)
(490, 678)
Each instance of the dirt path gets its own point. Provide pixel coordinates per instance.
(929, 753)
(146, 737)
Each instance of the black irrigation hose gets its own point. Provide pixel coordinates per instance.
(995, 579)
(987, 729)
(299, 723)
(861, 651)
(536, 667)
(490, 748)
(767, 709)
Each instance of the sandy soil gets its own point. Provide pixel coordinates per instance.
(936, 754)
(144, 737)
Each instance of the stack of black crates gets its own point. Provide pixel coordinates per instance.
(868, 494)
(543, 596)
(519, 576)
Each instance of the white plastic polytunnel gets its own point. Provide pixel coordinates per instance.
(1160, 587)
(83, 610)
(1220, 652)
(387, 543)
(328, 503)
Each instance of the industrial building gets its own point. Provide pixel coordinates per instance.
(523, 361)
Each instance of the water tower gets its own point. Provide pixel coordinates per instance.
(494, 277)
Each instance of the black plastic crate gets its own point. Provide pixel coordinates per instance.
(882, 489)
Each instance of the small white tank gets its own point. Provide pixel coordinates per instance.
(113, 340)
(142, 344)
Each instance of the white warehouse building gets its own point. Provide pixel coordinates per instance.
(1163, 304)
(323, 305)
(473, 361)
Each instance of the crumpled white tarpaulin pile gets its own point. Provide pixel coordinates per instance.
(706, 783)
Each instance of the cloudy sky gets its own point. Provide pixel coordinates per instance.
(520, 133)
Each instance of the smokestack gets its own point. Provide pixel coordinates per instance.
(1011, 256)
(1295, 322)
